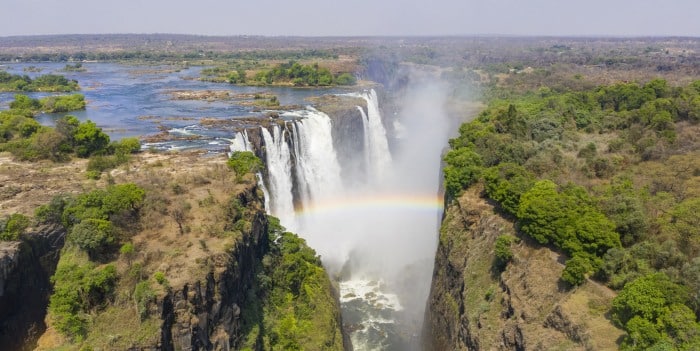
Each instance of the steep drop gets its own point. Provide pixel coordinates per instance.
(374, 225)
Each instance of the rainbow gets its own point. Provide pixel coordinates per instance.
(375, 203)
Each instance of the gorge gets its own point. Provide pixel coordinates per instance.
(371, 213)
(543, 222)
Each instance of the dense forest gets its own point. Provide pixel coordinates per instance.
(609, 177)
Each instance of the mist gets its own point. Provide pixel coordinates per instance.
(387, 229)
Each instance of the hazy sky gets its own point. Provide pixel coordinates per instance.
(352, 17)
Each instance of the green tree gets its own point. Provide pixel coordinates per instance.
(541, 211)
(502, 251)
(89, 139)
(463, 168)
(13, 227)
(647, 297)
(685, 224)
(244, 162)
(123, 197)
(346, 79)
(25, 102)
(506, 183)
(652, 310)
(577, 269)
(92, 235)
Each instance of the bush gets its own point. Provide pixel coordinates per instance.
(92, 235)
(13, 227)
(576, 270)
(78, 288)
(126, 146)
(89, 139)
(244, 162)
(143, 296)
(160, 278)
(64, 103)
(653, 307)
(346, 79)
(502, 250)
(51, 212)
(463, 168)
(100, 163)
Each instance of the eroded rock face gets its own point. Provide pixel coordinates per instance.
(25, 269)
(206, 314)
(473, 306)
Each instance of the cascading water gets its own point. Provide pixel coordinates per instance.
(240, 142)
(280, 180)
(376, 142)
(358, 230)
(315, 158)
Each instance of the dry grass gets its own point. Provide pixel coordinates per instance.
(170, 180)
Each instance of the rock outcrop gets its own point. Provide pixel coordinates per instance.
(25, 269)
(475, 306)
(205, 314)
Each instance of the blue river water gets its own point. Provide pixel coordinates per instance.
(135, 100)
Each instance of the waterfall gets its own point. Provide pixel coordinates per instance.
(316, 161)
(280, 179)
(365, 142)
(240, 142)
(375, 136)
(359, 230)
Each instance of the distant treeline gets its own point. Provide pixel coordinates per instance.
(171, 56)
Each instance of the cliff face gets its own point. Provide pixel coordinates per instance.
(25, 268)
(202, 287)
(474, 306)
(205, 314)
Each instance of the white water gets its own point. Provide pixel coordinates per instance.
(382, 254)
(280, 178)
(365, 142)
(316, 160)
(375, 136)
(240, 142)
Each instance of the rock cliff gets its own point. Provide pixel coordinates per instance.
(475, 306)
(25, 268)
(202, 287)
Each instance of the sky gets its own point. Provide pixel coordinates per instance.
(353, 17)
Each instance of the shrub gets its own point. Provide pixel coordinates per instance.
(143, 296)
(78, 288)
(92, 235)
(51, 212)
(65, 103)
(463, 168)
(160, 278)
(345, 79)
(99, 163)
(244, 162)
(126, 146)
(502, 250)
(576, 270)
(13, 227)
